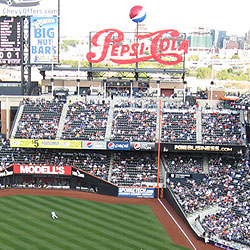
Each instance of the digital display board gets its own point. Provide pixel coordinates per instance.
(10, 40)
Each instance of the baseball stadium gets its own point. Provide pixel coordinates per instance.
(117, 157)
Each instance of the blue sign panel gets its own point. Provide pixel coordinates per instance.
(136, 192)
(114, 145)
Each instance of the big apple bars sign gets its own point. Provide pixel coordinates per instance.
(164, 46)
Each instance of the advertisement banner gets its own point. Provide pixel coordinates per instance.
(193, 176)
(42, 169)
(136, 192)
(142, 146)
(114, 145)
(202, 148)
(33, 143)
(163, 46)
(6, 172)
(78, 173)
(29, 8)
(44, 40)
(94, 145)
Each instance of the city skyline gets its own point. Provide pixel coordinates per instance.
(80, 17)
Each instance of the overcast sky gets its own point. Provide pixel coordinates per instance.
(78, 17)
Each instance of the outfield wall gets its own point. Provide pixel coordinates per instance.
(48, 176)
(67, 177)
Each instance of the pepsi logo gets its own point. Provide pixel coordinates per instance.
(111, 145)
(89, 144)
(137, 14)
(137, 146)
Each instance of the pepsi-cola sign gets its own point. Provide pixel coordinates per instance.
(137, 14)
(143, 146)
(118, 145)
(164, 46)
(94, 145)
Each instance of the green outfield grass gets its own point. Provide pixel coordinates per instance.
(26, 223)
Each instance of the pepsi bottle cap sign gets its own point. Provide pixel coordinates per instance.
(137, 14)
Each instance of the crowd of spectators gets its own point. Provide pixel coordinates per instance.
(221, 128)
(136, 103)
(39, 119)
(126, 92)
(228, 186)
(228, 225)
(134, 125)
(116, 91)
(166, 104)
(183, 163)
(178, 126)
(134, 169)
(86, 120)
(6, 154)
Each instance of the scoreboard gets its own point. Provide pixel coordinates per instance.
(10, 40)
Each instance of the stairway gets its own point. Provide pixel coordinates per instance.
(198, 127)
(109, 122)
(62, 121)
(17, 119)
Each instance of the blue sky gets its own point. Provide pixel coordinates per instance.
(78, 17)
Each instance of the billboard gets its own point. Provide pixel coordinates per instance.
(142, 146)
(42, 169)
(6, 172)
(78, 173)
(37, 143)
(29, 8)
(164, 46)
(114, 145)
(136, 192)
(94, 145)
(44, 37)
(201, 148)
(10, 40)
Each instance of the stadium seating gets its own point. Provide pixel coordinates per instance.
(134, 169)
(183, 163)
(221, 128)
(178, 127)
(86, 121)
(134, 125)
(228, 186)
(39, 120)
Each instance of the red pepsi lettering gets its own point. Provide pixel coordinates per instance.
(161, 47)
(107, 42)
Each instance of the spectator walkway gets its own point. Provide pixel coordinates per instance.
(61, 122)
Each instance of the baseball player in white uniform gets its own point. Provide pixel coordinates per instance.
(53, 215)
